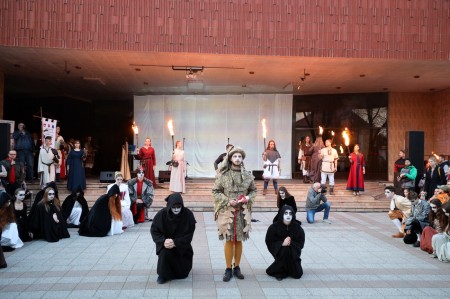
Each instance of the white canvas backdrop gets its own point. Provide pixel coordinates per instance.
(207, 121)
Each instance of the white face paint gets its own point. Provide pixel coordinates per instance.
(236, 159)
(282, 194)
(140, 175)
(388, 193)
(119, 180)
(20, 195)
(287, 216)
(176, 209)
(51, 195)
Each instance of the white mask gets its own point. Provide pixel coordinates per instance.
(140, 176)
(176, 211)
(51, 195)
(287, 216)
(236, 159)
(20, 195)
(388, 193)
(282, 194)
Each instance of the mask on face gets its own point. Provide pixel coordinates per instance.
(140, 176)
(282, 194)
(20, 196)
(176, 209)
(51, 196)
(387, 193)
(287, 216)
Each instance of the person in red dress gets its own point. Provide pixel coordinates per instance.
(148, 160)
(355, 180)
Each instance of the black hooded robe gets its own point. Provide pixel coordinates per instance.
(290, 201)
(97, 223)
(44, 223)
(33, 211)
(22, 223)
(69, 202)
(287, 258)
(175, 263)
(4, 197)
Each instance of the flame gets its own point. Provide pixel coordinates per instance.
(264, 129)
(435, 155)
(346, 137)
(341, 149)
(332, 133)
(135, 128)
(170, 126)
(320, 130)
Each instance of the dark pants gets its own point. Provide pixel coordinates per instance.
(27, 159)
(415, 229)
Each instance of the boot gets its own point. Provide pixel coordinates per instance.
(276, 191)
(331, 190)
(227, 275)
(264, 191)
(237, 272)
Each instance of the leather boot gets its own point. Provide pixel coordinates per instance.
(264, 191)
(227, 275)
(237, 272)
(331, 190)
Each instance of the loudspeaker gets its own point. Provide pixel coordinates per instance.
(258, 174)
(5, 140)
(415, 142)
(164, 176)
(107, 177)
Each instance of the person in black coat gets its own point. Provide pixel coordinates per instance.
(172, 231)
(99, 221)
(434, 177)
(75, 208)
(285, 240)
(48, 221)
(284, 198)
(20, 214)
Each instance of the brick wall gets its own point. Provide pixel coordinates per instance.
(440, 111)
(401, 29)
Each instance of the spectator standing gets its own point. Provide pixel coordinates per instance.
(23, 144)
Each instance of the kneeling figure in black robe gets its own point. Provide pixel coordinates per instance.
(75, 208)
(285, 239)
(172, 231)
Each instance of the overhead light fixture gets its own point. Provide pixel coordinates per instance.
(191, 71)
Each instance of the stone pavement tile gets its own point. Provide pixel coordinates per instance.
(230, 292)
(82, 294)
(344, 291)
(88, 286)
(435, 291)
(152, 284)
(119, 272)
(10, 295)
(379, 284)
(131, 285)
(137, 278)
(93, 279)
(56, 294)
(110, 286)
(132, 293)
(202, 284)
(70, 279)
(203, 277)
(152, 293)
(34, 274)
(34, 294)
(107, 293)
(115, 278)
(294, 292)
(324, 292)
(39, 287)
(175, 292)
(204, 292)
(63, 286)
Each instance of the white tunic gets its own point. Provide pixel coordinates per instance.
(46, 166)
(127, 216)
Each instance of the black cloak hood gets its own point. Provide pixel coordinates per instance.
(172, 199)
(114, 190)
(281, 213)
(4, 197)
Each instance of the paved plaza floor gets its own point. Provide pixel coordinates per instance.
(355, 257)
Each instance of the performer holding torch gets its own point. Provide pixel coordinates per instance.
(178, 165)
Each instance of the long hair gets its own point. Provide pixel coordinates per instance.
(6, 215)
(445, 220)
(44, 200)
(438, 213)
(319, 142)
(274, 145)
(115, 208)
(279, 200)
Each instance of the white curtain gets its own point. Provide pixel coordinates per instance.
(207, 121)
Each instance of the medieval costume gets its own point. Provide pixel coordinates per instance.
(148, 161)
(15, 173)
(48, 221)
(20, 214)
(75, 208)
(271, 166)
(46, 166)
(10, 236)
(172, 231)
(316, 161)
(304, 158)
(398, 165)
(59, 146)
(234, 193)
(77, 177)
(285, 239)
(33, 210)
(284, 198)
(355, 181)
(127, 216)
(140, 190)
(178, 172)
(105, 216)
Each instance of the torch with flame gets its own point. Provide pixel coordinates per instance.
(136, 133)
(341, 149)
(170, 126)
(346, 137)
(435, 155)
(332, 139)
(320, 130)
(264, 131)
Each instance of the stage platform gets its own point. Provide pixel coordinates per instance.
(198, 196)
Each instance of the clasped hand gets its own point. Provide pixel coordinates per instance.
(241, 199)
(287, 242)
(55, 217)
(169, 244)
